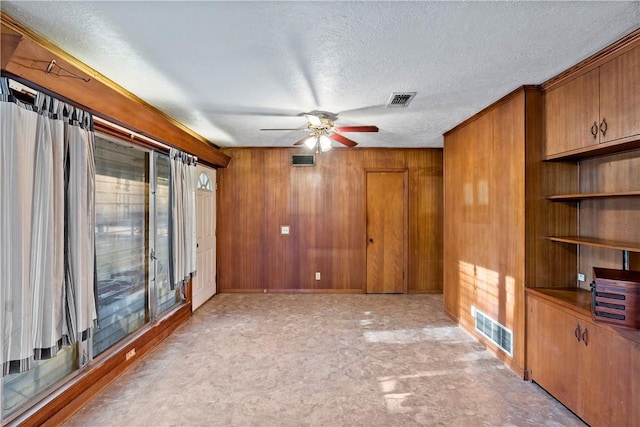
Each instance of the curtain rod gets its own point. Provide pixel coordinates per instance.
(20, 87)
(132, 134)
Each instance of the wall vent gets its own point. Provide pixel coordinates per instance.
(400, 99)
(498, 334)
(303, 159)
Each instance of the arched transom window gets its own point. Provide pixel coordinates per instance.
(204, 182)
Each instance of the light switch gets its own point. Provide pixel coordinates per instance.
(284, 229)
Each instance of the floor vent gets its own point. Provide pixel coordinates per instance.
(303, 160)
(498, 334)
(400, 99)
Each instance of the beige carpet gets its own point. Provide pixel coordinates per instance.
(321, 360)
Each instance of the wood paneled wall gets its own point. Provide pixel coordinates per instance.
(324, 206)
(497, 217)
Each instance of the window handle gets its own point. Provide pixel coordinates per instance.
(153, 255)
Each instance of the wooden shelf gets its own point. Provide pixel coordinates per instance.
(582, 196)
(598, 243)
(596, 150)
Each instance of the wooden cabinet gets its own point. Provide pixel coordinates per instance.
(620, 97)
(587, 366)
(599, 107)
(571, 114)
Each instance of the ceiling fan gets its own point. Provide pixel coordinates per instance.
(321, 130)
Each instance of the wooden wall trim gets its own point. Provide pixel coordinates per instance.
(101, 373)
(617, 48)
(27, 57)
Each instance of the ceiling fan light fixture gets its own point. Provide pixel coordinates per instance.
(311, 142)
(325, 143)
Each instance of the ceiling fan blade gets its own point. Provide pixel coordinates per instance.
(343, 140)
(301, 140)
(314, 120)
(220, 110)
(303, 129)
(357, 128)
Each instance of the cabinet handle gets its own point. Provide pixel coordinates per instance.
(594, 130)
(585, 336)
(603, 127)
(576, 332)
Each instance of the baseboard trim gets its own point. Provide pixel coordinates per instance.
(291, 291)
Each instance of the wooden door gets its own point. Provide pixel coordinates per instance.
(385, 232)
(570, 112)
(620, 96)
(204, 282)
(553, 351)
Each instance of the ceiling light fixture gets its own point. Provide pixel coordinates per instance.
(320, 129)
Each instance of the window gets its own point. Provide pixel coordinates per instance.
(133, 288)
(204, 182)
(18, 389)
(122, 241)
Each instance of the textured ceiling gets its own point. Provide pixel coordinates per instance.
(227, 69)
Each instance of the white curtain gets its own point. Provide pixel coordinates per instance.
(80, 278)
(183, 216)
(37, 147)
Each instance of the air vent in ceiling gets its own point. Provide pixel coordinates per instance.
(498, 334)
(400, 99)
(303, 160)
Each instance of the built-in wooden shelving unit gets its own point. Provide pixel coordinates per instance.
(582, 196)
(598, 243)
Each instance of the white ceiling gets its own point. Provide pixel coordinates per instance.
(227, 69)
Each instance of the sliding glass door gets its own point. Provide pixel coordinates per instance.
(133, 286)
(122, 242)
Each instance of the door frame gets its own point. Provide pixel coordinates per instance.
(405, 231)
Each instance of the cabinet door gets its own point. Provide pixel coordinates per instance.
(570, 112)
(633, 409)
(552, 351)
(604, 377)
(620, 96)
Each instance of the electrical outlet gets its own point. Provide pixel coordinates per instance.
(130, 354)
(284, 229)
(317, 275)
(581, 277)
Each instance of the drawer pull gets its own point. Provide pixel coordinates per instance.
(576, 332)
(585, 336)
(594, 130)
(603, 127)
